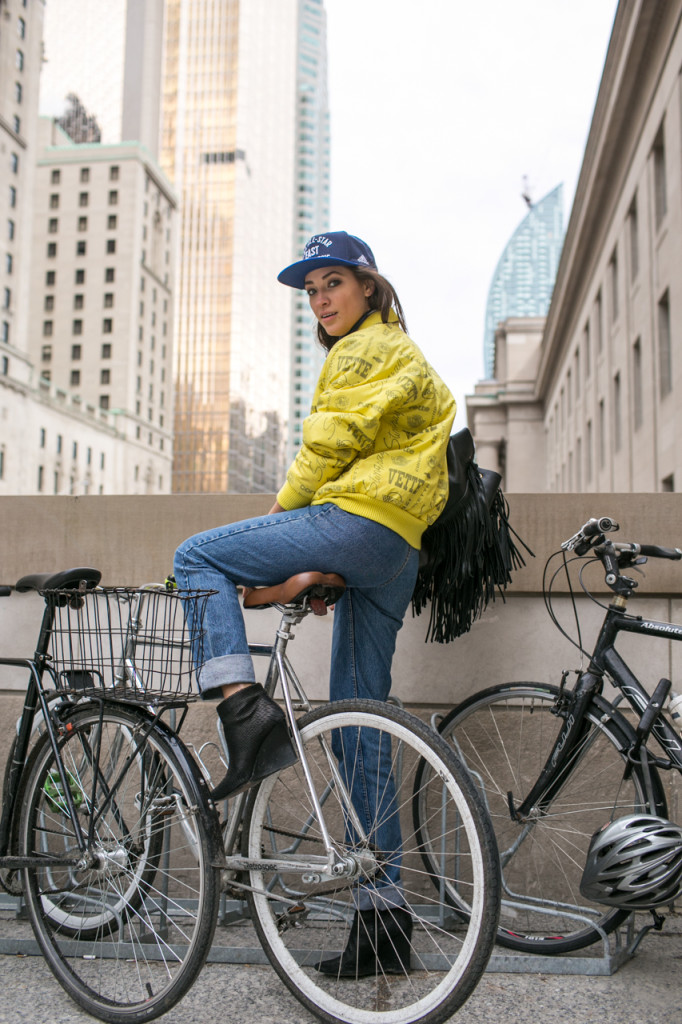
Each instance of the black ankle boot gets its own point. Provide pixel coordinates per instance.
(379, 943)
(257, 740)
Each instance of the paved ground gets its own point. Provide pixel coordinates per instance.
(646, 990)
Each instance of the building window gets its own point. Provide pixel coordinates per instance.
(81, 248)
(108, 299)
(617, 424)
(75, 378)
(47, 328)
(50, 278)
(83, 199)
(78, 301)
(113, 198)
(59, 444)
(113, 173)
(664, 347)
(633, 234)
(637, 397)
(52, 225)
(85, 174)
(104, 401)
(76, 351)
(599, 323)
(51, 249)
(111, 222)
(105, 377)
(613, 279)
(16, 124)
(12, 196)
(19, 60)
(49, 303)
(46, 354)
(109, 274)
(106, 351)
(111, 245)
(10, 230)
(6, 298)
(2, 463)
(8, 262)
(601, 440)
(107, 326)
(55, 177)
(14, 163)
(4, 331)
(43, 437)
(54, 201)
(21, 28)
(660, 187)
(82, 223)
(77, 327)
(80, 276)
(668, 483)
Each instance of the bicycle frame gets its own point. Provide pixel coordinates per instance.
(330, 866)
(605, 659)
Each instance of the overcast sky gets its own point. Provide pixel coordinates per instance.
(439, 108)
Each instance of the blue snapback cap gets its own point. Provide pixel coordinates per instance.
(330, 249)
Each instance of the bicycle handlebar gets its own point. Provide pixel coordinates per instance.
(651, 551)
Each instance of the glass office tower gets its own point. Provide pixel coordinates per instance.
(244, 139)
(524, 277)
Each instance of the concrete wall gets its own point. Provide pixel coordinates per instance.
(132, 540)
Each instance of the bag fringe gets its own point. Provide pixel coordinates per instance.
(469, 557)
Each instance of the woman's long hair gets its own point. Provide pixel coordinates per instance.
(383, 298)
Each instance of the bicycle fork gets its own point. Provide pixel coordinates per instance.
(573, 732)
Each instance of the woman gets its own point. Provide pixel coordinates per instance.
(368, 479)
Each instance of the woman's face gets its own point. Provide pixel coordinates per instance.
(337, 298)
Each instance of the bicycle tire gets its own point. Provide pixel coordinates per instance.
(504, 735)
(124, 931)
(300, 922)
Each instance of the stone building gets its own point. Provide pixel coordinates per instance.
(600, 390)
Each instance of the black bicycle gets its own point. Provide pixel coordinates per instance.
(556, 763)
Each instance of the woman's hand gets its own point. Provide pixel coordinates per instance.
(275, 509)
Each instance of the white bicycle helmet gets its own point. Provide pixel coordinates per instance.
(634, 862)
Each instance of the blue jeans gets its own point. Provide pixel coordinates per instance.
(380, 569)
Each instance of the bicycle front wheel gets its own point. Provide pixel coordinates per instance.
(304, 917)
(504, 736)
(125, 921)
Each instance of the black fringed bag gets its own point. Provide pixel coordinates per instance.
(469, 552)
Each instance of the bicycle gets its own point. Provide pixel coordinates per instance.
(292, 853)
(554, 764)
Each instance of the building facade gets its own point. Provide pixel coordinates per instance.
(608, 382)
(244, 139)
(75, 347)
(103, 268)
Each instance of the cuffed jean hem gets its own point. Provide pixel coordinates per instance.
(228, 668)
(383, 897)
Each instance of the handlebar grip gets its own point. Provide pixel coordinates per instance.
(5, 591)
(654, 551)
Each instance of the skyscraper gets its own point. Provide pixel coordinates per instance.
(524, 277)
(244, 139)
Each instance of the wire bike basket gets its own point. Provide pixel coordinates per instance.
(141, 645)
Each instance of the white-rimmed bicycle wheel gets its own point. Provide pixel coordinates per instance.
(125, 924)
(303, 918)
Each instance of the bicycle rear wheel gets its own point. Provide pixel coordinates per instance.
(504, 736)
(303, 917)
(126, 925)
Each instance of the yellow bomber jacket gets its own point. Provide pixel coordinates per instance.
(374, 443)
